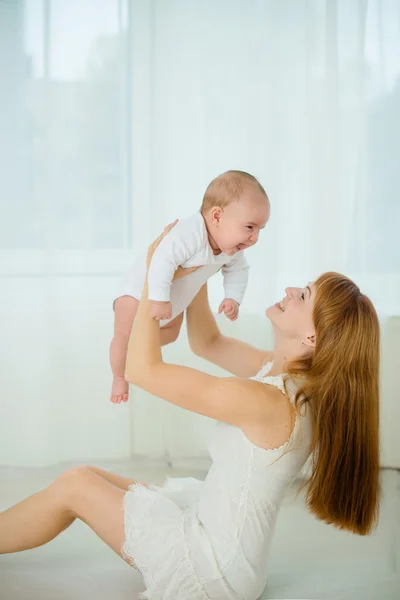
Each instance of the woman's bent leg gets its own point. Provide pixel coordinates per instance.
(122, 482)
(78, 493)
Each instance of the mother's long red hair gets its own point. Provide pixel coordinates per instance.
(342, 392)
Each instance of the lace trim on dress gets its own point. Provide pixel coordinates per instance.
(175, 568)
(275, 380)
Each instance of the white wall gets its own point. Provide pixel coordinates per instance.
(390, 396)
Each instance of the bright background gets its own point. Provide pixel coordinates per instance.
(114, 117)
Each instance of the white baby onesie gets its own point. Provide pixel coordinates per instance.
(185, 245)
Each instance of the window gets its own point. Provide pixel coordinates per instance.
(65, 115)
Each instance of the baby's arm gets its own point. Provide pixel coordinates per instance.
(174, 250)
(236, 276)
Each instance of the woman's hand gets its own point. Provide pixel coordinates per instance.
(180, 272)
(156, 243)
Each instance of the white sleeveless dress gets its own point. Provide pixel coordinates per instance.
(209, 540)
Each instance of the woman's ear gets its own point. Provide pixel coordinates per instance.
(309, 340)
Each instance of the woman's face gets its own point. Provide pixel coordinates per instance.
(293, 314)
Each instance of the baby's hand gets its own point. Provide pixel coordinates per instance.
(230, 308)
(161, 310)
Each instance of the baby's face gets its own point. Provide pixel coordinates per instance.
(240, 223)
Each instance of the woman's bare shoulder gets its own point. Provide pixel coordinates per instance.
(273, 416)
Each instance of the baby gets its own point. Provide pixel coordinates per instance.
(235, 207)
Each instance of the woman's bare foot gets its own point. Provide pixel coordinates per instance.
(119, 390)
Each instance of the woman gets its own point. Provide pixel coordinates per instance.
(316, 393)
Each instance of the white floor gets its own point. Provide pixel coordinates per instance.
(309, 560)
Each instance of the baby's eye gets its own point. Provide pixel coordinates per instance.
(249, 226)
(302, 295)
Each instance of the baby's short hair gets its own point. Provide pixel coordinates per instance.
(227, 188)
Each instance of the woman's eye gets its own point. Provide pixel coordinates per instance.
(249, 226)
(302, 295)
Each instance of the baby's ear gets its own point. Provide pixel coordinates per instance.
(216, 213)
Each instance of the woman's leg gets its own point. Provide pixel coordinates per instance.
(122, 482)
(79, 493)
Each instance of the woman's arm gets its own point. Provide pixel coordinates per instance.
(206, 340)
(237, 401)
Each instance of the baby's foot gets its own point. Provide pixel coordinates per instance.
(119, 390)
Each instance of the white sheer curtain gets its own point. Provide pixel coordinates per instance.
(302, 94)
(66, 224)
(116, 115)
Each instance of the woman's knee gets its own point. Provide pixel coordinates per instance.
(83, 495)
(69, 482)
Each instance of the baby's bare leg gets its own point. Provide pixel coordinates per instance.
(125, 309)
(169, 333)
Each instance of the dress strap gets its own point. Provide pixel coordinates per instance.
(264, 370)
(275, 380)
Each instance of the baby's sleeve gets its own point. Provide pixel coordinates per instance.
(176, 248)
(236, 276)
